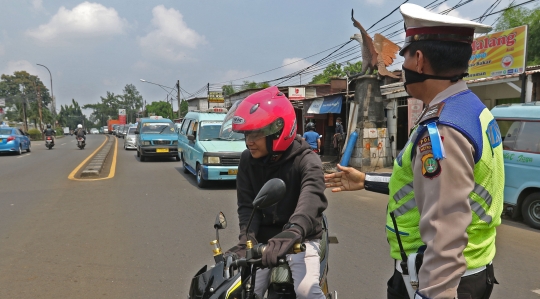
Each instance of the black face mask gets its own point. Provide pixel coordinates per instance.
(410, 77)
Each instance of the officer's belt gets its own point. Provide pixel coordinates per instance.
(467, 273)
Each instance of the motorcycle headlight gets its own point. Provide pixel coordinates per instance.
(211, 160)
(146, 143)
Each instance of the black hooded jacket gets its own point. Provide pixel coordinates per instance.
(304, 202)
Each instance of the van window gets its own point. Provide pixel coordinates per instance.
(209, 130)
(509, 132)
(192, 128)
(185, 126)
(529, 137)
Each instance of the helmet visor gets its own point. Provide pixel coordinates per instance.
(273, 128)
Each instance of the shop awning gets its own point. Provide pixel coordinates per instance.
(330, 104)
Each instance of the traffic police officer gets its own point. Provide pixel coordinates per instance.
(446, 189)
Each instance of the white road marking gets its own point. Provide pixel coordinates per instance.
(63, 144)
(536, 291)
(21, 156)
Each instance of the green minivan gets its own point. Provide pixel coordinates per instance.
(205, 151)
(520, 132)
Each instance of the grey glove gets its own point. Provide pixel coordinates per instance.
(279, 246)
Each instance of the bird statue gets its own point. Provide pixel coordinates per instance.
(376, 54)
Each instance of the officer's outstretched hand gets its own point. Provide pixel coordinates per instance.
(348, 179)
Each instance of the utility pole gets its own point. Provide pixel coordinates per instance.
(208, 96)
(25, 121)
(39, 107)
(178, 97)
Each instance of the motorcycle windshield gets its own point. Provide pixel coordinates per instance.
(204, 280)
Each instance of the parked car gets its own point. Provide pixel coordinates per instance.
(156, 138)
(208, 148)
(130, 138)
(520, 135)
(14, 140)
(94, 131)
(105, 130)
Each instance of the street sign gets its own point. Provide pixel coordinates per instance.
(297, 93)
(498, 53)
(121, 111)
(215, 97)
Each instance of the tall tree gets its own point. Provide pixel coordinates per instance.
(519, 16)
(132, 101)
(160, 108)
(72, 115)
(336, 70)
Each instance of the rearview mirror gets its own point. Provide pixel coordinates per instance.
(271, 193)
(191, 137)
(221, 222)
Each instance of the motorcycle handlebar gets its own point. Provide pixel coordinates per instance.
(258, 250)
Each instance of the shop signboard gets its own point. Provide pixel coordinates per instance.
(215, 97)
(499, 53)
(415, 108)
(297, 93)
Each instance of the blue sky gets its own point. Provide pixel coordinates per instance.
(92, 47)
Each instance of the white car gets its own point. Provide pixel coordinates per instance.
(94, 131)
(129, 139)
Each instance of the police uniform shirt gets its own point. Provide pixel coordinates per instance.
(441, 190)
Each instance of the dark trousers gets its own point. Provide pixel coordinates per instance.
(476, 286)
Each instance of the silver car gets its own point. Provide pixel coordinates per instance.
(129, 139)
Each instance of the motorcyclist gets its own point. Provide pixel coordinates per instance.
(268, 121)
(50, 132)
(312, 137)
(80, 132)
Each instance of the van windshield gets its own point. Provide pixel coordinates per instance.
(132, 131)
(157, 128)
(209, 130)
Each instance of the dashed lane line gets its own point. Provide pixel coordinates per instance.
(21, 156)
(536, 291)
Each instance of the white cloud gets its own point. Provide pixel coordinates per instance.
(23, 65)
(376, 2)
(37, 4)
(294, 64)
(83, 21)
(171, 37)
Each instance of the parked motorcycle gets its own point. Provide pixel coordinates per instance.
(49, 142)
(80, 142)
(233, 277)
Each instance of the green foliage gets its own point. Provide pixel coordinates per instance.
(70, 116)
(184, 108)
(336, 70)
(160, 108)
(230, 89)
(35, 134)
(108, 107)
(23, 86)
(521, 16)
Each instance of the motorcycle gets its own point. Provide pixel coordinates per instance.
(49, 142)
(80, 142)
(234, 277)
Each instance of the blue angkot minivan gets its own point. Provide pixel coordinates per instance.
(520, 131)
(206, 151)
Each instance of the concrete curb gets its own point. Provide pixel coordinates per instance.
(95, 166)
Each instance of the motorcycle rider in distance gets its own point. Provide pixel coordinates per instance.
(268, 122)
(312, 137)
(50, 132)
(80, 132)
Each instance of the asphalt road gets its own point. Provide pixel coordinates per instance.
(146, 231)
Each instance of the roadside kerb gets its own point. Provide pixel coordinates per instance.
(94, 168)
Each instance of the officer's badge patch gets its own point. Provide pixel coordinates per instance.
(494, 134)
(431, 167)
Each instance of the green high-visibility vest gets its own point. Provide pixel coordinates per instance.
(486, 199)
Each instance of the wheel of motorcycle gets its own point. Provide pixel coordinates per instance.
(201, 182)
(28, 149)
